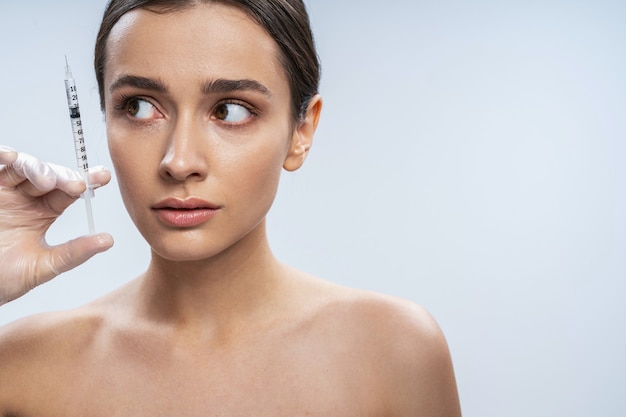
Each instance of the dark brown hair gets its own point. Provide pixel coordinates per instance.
(286, 21)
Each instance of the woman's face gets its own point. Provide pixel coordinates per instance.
(199, 126)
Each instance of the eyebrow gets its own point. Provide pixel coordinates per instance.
(138, 82)
(227, 86)
(211, 87)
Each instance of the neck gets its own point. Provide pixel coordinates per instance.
(240, 284)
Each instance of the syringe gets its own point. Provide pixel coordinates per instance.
(79, 141)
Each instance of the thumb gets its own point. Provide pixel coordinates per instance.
(77, 251)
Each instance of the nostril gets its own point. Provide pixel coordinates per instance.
(184, 166)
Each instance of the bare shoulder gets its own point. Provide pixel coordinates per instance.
(39, 348)
(31, 335)
(389, 322)
(400, 343)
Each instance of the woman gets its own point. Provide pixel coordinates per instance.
(217, 97)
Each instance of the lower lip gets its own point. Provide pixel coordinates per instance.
(185, 218)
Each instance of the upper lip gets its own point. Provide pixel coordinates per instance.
(188, 203)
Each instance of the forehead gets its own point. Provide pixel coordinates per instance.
(206, 40)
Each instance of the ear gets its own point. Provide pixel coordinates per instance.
(303, 135)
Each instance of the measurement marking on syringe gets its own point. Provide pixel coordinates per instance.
(79, 140)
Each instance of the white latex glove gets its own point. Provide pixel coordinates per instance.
(32, 195)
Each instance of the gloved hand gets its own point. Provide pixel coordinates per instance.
(32, 195)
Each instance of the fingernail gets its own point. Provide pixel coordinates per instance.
(105, 239)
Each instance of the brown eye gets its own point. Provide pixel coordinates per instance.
(141, 109)
(132, 107)
(221, 112)
(232, 113)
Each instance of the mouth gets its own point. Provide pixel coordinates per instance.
(184, 213)
(191, 203)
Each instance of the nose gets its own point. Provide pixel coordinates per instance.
(184, 158)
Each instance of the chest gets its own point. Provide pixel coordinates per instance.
(263, 381)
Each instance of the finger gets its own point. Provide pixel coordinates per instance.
(68, 179)
(58, 201)
(99, 176)
(26, 167)
(69, 255)
(7, 155)
(43, 177)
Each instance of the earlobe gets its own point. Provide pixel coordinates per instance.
(303, 135)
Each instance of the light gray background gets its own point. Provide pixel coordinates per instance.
(470, 158)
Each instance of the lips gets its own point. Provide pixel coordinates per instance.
(184, 213)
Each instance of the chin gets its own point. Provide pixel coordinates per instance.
(183, 254)
(183, 248)
(200, 244)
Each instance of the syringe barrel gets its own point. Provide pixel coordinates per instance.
(79, 140)
(72, 96)
(77, 125)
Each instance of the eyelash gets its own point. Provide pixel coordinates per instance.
(121, 105)
(251, 109)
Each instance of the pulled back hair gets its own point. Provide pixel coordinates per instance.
(286, 21)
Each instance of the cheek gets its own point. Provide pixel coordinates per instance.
(254, 178)
(262, 181)
(119, 157)
(128, 169)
